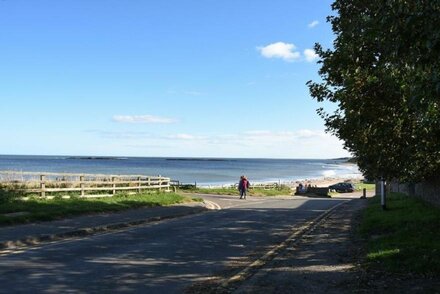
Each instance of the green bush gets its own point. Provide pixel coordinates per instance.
(10, 192)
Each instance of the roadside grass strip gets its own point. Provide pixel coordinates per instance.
(37, 209)
(368, 187)
(284, 190)
(403, 239)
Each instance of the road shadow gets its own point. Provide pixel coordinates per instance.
(166, 257)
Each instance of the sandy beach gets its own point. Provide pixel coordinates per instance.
(325, 182)
(318, 182)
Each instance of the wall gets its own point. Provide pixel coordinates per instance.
(428, 190)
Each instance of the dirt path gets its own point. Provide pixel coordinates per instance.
(321, 262)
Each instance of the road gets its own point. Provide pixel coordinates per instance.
(162, 257)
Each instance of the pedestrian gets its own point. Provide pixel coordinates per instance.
(299, 189)
(243, 186)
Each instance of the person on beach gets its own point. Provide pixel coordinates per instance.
(243, 186)
(299, 188)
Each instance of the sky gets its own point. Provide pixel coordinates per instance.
(187, 78)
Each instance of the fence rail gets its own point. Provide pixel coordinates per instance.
(265, 186)
(46, 183)
(179, 184)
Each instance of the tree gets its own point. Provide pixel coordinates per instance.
(384, 75)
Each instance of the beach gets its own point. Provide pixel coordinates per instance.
(318, 182)
(325, 182)
(207, 172)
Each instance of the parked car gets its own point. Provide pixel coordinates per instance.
(342, 187)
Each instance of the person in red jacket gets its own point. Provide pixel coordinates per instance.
(243, 186)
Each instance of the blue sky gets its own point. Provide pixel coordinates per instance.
(162, 78)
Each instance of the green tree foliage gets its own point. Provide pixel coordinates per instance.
(384, 75)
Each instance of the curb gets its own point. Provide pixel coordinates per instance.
(82, 232)
(270, 255)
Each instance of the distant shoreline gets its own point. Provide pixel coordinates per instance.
(291, 182)
(319, 182)
(199, 159)
(95, 158)
(204, 171)
(173, 158)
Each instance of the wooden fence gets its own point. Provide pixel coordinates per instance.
(178, 184)
(82, 185)
(265, 186)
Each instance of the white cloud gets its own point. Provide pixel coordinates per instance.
(246, 138)
(193, 93)
(118, 135)
(313, 24)
(303, 134)
(144, 119)
(302, 143)
(281, 50)
(310, 55)
(258, 133)
(183, 137)
(287, 52)
(284, 136)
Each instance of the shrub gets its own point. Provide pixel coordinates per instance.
(10, 192)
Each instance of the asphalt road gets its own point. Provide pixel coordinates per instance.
(163, 257)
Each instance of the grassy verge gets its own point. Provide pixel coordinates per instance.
(403, 239)
(43, 210)
(361, 186)
(233, 191)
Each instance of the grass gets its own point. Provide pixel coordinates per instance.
(359, 187)
(403, 239)
(284, 190)
(369, 187)
(45, 210)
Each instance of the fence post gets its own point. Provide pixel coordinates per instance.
(139, 185)
(168, 185)
(364, 193)
(383, 194)
(114, 185)
(160, 183)
(42, 186)
(81, 185)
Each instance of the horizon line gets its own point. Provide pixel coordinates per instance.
(191, 157)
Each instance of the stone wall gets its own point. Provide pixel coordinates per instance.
(428, 190)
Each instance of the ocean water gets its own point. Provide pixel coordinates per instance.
(204, 171)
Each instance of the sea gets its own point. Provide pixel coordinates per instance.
(203, 171)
